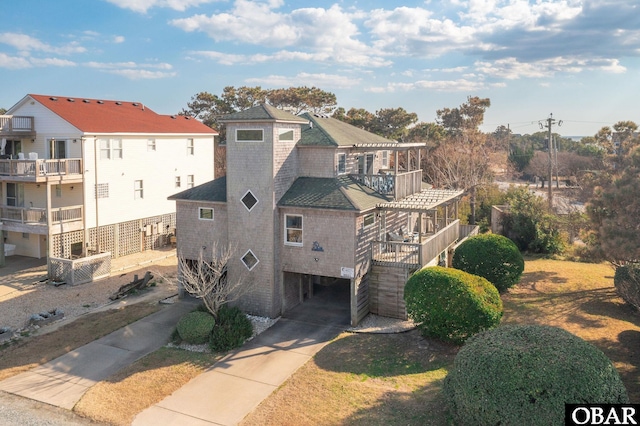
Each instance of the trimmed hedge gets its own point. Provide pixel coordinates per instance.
(627, 283)
(232, 329)
(451, 305)
(525, 374)
(195, 327)
(491, 256)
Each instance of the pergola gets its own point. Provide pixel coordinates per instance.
(427, 203)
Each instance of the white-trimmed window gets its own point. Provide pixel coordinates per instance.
(190, 181)
(369, 220)
(249, 135)
(190, 147)
(110, 149)
(293, 229)
(249, 260)
(205, 213)
(151, 144)
(342, 164)
(285, 134)
(138, 189)
(385, 159)
(178, 182)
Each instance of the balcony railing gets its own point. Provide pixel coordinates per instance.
(415, 254)
(71, 167)
(397, 186)
(11, 124)
(38, 216)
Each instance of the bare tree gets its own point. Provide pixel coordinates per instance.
(206, 278)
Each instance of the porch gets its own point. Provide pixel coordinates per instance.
(34, 219)
(396, 185)
(35, 170)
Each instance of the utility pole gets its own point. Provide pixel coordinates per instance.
(550, 122)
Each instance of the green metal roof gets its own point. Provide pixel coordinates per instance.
(328, 131)
(212, 191)
(262, 112)
(341, 193)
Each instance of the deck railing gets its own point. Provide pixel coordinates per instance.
(16, 123)
(41, 168)
(38, 216)
(398, 186)
(415, 254)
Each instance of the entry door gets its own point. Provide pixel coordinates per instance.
(365, 164)
(57, 148)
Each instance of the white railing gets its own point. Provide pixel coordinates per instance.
(80, 271)
(41, 168)
(38, 216)
(16, 123)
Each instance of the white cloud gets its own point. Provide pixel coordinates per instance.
(142, 6)
(55, 62)
(512, 69)
(135, 71)
(118, 39)
(26, 44)
(306, 79)
(316, 33)
(13, 62)
(459, 85)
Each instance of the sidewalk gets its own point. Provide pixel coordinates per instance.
(234, 386)
(63, 381)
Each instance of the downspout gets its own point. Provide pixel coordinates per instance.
(95, 176)
(84, 200)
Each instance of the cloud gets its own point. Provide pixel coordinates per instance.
(328, 35)
(135, 71)
(118, 39)
(306, 79)
(511, 68)
(142, 6)
(458, 85)
(26, 44)
(14, 62)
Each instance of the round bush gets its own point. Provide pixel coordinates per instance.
(232, 329)
(195, 327)
(491, 256)
(451, 305)
(525, 374)
(627, 283)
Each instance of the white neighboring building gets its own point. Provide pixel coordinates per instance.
(81, 176)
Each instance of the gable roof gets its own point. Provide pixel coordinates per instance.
(328, 131)
(341, 193)
(212, 191)
(263, 112)
(104, 116)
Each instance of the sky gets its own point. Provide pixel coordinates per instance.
(575, 60)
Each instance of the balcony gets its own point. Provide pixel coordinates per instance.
(41, 170)
(34, 219)
(14, 125)
(397, 186)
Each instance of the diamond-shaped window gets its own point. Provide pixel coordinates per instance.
(250, 260)
(249, 200)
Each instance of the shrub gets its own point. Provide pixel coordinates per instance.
(451, 305)
(525, 374)
(490, 256)
(232, 329)
(195, 327)
(627, 283)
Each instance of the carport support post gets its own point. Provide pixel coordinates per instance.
(2, 261)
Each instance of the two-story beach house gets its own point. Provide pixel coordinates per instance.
(86, 176)
(309, 200)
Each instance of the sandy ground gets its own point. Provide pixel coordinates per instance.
(24, 290)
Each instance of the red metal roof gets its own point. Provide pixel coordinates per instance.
(107, 116)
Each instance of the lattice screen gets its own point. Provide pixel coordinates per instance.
(128, 237)
(106, 236)
(61, 243)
